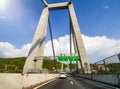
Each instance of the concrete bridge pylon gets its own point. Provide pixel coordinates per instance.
(38, 43)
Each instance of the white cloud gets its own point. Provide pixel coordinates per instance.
(98, 47)
(61, 45)
(2, 17)
(9, 50)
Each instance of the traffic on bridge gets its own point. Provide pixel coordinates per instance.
(72, 82)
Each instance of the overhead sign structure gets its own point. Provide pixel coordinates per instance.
(68, 58)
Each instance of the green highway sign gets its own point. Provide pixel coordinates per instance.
(68, 58)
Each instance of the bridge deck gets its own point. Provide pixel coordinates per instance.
(75, 83)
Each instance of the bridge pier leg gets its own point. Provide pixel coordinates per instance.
(79, 41)
(38, 44)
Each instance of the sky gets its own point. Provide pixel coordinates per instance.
(99, 22)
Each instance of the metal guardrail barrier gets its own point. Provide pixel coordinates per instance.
(110, 65)
(106, 71)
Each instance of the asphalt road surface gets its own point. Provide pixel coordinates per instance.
(75, 83)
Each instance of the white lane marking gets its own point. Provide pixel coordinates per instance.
(44, 84)
(71, 82)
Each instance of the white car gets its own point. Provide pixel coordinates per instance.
(62, 75)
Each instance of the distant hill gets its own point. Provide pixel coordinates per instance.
(11, 65)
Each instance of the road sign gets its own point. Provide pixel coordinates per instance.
(68, 58)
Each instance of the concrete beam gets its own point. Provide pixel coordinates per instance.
(56, 6)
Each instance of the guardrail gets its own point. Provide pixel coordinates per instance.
(106, 71)
(110, 65)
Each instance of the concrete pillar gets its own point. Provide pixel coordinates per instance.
(38, 44)
(80, 45)
(76, 50)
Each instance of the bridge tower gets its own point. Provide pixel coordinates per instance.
(38, 43)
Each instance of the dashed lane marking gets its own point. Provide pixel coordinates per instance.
(71, 82)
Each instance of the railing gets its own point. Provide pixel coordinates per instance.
(106, 71)
(110, 65)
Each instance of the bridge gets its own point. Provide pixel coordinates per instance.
(104, 74)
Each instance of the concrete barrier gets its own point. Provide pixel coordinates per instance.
(111, 79)
(88, 76)
(11, 81)
(18, 81)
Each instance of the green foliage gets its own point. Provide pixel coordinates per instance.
(16, 65)
(13, 64)
(114, 68)
(49, 64)
(74, 66)
(101, 71)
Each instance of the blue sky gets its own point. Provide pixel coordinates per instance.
(19, 19)
(95, 17)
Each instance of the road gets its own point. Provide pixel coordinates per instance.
(75, 83)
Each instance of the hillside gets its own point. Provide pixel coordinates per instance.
(15, 65)
(12, 64)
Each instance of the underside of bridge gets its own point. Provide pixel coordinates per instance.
(38, 43)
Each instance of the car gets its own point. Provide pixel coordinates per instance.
(63, 75)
